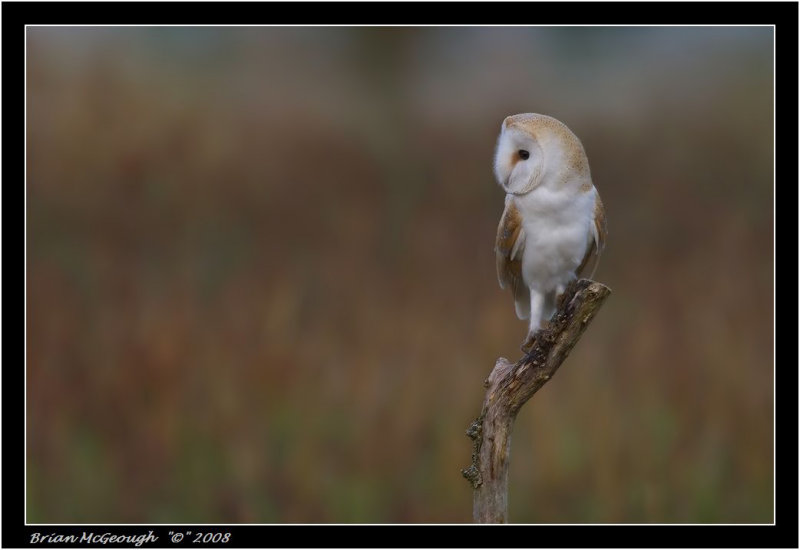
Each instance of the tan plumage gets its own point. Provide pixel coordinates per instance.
(597, 243)
(509, 258)
(553, 226)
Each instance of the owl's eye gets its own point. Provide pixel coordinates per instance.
(523, 154)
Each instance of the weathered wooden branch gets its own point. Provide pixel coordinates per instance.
(509, 387)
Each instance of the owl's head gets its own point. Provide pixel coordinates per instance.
(537, 150)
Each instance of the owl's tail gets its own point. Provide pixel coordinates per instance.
(522, 302)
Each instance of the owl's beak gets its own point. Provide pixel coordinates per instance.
(507, 184)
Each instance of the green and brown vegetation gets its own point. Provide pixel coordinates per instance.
(261, 288)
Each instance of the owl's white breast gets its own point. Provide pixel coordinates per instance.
(557, 232)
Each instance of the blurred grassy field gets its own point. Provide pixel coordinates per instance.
(261, 288)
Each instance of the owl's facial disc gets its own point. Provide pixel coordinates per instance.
(518, 162)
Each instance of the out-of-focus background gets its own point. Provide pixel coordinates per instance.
(261, 286)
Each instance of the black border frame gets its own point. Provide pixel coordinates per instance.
(784, 15)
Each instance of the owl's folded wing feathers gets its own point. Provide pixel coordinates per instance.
(509, 246)
(598, 241)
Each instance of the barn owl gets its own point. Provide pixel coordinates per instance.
(553, 224)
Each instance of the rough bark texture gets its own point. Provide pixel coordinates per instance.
(509, 387)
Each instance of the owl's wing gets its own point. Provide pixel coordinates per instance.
(597, 241)
(509, 247)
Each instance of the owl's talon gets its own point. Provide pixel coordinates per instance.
(527, 344)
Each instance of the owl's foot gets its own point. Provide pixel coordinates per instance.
(530, 339)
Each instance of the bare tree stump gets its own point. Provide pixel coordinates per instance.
(509, 387)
